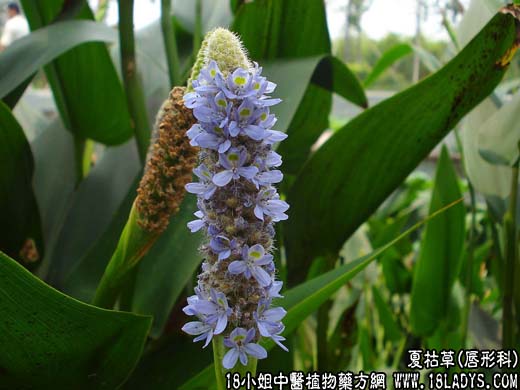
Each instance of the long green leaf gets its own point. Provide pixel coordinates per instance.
(86, 88)
(50, 340)
(28, 54)
(441, 253)
(352, 174)
(306, 298)
(389, 57)
(20, 227)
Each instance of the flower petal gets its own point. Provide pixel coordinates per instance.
(230, 358)
(237, 267)
(255, 350)
(222, 178)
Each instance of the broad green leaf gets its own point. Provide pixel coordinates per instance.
(274, 28)
(272, 31)
(86, 88)
(306, 298)
(499, 136)
(440, 254)
(28, 54)
(92, 209)
(50, 340)
(389, 57)
(20, 231)
(167, 268)
(304, 85)
(361, 164)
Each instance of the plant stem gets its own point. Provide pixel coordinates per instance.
(133, 244)
(471, 246)
(220, 372)
(170, 43)
(469, 267)
(511, 254)
(134, 93)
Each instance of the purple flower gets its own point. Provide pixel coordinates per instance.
(222, 246)
(216, 310)
(217, 139)
(268, 321)
(244, 122)
(240, 343)
(274, 289)
(197, 224)
(201, 329)
(251, 265)
(267, 203)
(205, 187)
(233, 164)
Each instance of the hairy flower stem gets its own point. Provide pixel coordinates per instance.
(170, 43)
(219, 351)
(134, 93)
(511, 258)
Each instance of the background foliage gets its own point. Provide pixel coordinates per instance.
(365, 281)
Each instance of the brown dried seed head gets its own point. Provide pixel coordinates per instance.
(29, 252)
(169, 165)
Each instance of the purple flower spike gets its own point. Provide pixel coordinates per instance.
(238, 206)
(240, 343)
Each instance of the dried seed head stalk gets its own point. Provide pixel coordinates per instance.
(169, 165)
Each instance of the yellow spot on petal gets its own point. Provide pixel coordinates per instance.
(239, 80)
(255, 254)
(245, 112)
(233, 157)
(221, 103)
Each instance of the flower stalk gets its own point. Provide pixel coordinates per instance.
(511, 259)
(170, 42)
(134, 92)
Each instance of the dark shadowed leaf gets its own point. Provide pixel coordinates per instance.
(50, 340)
(344, 181)
(20, 226)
